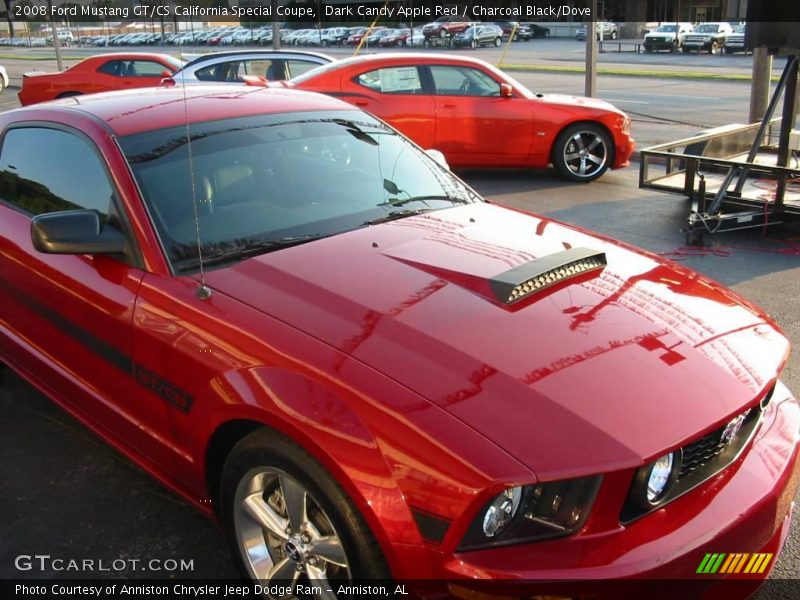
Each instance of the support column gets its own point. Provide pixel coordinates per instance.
(591, 53)
(759, 89)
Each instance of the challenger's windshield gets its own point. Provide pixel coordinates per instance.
(258, 184)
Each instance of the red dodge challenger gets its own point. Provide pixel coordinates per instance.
(100, 73)
(295, 318)
(477, 115)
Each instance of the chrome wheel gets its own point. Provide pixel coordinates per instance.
(585, 154)
(284, 535)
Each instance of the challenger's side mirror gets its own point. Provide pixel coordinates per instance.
(506, 91)
(75, 232)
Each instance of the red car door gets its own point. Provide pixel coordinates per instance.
(70, 314)
(475, 125)
(396, 95)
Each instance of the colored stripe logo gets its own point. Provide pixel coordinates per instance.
(730, 564)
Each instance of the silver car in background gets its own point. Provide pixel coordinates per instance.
(232, 67)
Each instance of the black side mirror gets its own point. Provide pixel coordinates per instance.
(75, 232)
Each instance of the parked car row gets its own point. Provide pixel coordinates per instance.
(714, 38)
(425, 96)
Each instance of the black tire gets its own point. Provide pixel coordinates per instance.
(473, 44)
(265, 449)
(498, 42)
(613, 35)
(68, 95)
(443, 33)
(567, 146)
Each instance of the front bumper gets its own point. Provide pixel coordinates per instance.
(659, 44)
(746, 508)
(697, 46)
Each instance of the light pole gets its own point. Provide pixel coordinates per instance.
(591, 53)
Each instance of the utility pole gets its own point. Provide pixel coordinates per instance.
(276, 31)
(56, 41)
(759, 89)
(591, 53)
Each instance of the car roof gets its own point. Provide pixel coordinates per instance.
(202, 58)
(146, 109)
(404, 57)
(128, 56)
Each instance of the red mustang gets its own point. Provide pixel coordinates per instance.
(477, 115)
(365, 370)
(100, 73)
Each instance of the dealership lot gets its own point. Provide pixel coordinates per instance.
(67, 494)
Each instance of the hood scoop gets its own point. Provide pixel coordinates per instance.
(520, 282)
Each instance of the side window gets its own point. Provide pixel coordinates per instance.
(392, 80)
(112, 67)
(48, 170)
(146, 68)
(260, 68)
(298, 67)
(463, 81)
(215, 72)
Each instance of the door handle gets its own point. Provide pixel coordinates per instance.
(448, 105)
(361, 103)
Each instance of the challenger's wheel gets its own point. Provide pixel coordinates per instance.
(287, 519)
(582, 152)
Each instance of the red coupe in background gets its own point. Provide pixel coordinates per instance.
(377, 373)
(477, 115)
(100, 73)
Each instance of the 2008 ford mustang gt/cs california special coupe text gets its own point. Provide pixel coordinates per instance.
(273, 301)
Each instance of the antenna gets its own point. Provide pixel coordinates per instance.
(203, 292)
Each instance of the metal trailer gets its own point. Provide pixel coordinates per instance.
(736, 176)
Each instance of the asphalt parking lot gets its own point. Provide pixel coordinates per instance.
(65, 493)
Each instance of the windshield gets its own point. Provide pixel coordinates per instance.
(707, 28)
(666, 28)
(265, 182)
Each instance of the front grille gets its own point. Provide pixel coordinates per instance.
(697, 454)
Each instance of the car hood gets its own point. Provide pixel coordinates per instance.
(603, 371)
(573, 101)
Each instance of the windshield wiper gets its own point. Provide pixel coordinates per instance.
(396, 214)
(241, 249)
(410, 199)
(356, 131)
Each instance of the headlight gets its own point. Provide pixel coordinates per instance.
(652, 483)
(533, 512)
(659, 479)
(501, 511)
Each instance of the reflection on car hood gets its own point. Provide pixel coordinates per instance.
(579, 101)
(603, 372)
